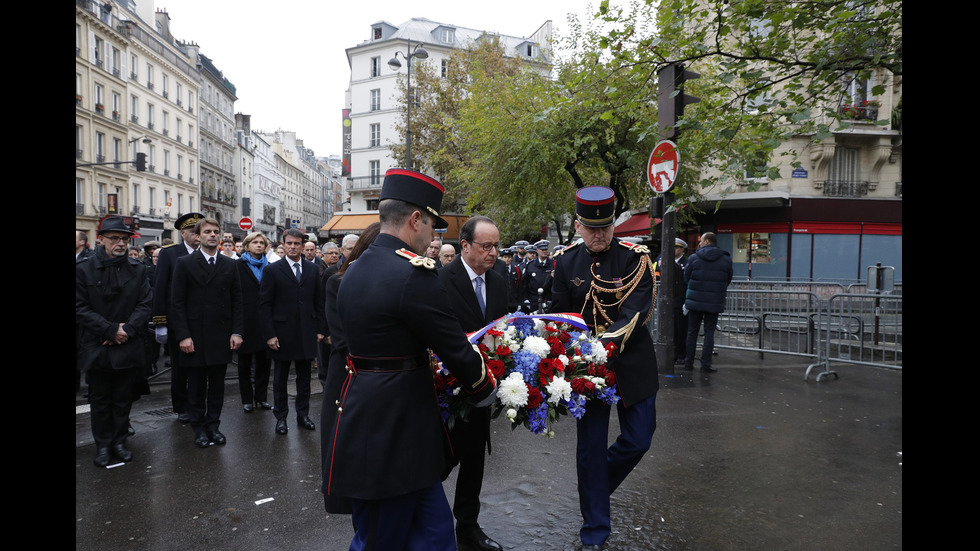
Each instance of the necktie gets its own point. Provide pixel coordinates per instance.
(210, 263)
(298, 273)
(479, 294)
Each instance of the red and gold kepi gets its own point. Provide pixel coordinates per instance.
(595, 206)
(415, 188)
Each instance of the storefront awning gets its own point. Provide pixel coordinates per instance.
(342, 224)
(636, 225)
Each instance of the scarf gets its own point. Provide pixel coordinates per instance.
(111, 265)
(256, 264)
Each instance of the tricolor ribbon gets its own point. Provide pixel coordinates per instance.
(575, 320)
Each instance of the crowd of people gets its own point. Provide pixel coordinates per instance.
(356, 311)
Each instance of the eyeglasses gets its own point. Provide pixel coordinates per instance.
(487, 246)
(113, 239)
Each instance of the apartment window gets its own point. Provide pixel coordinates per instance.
(149, 116)
(116, 106)
(447, 36)
(79, 203)
(445, 68)
(166, 162)
(374, 171)
(152, 199)
(166, 123)
(136, 198)
(100, 200)
(375, 100)
(133, 64)
(100, 147)
(98, 51)
(375, 135)
(99, 98)
(116, 150)
(180, 92)
(134, 104)
(180, 167)
(165, 83)
(78, 141)
(375, 67)
(149, 76)
(377, 33)
(115, 62)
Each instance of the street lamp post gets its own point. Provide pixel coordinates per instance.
(394, 64)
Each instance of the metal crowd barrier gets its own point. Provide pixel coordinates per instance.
(824, 322)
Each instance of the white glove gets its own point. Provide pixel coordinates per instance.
(684, 309)
(488, 400)
(161, 334)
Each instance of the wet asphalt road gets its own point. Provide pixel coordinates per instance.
(749, 458)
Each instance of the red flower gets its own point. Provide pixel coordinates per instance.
(503, 350)
(610, 377)
(582, 386)
(497, 368)
(534, 397)
(557, 348)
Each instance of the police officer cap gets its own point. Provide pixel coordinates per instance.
(508, 251)
(529, 247)
(595, 206)
(559, 248)
(678, 242)
(415, 188)
(188, 220)
(521, 244)
(115, 223)
(542, 245)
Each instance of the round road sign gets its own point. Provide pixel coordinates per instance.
(663, 165)
(245, 223)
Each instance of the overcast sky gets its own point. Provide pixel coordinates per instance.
(287, 58)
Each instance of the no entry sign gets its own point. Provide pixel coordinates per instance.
(245, 223)
(662, 168)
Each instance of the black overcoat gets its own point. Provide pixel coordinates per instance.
(207, 307)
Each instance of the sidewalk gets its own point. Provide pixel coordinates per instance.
(750, 457)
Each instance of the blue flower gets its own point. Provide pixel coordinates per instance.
(526, 364)
(608, 395)
(576, 406)
(524, 327)
(537, 419)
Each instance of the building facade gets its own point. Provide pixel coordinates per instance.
(374, 104)
(135, 92)
(220, 185)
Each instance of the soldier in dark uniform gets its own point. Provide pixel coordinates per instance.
(537, 277)
(610, 283)
(388, 450)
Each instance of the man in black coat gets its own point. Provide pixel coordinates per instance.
(707, 274)
(207, 325)
(610, 283)
(112, 307)
(162, 283)
(291, 309)
(388, 450)
(478, 295)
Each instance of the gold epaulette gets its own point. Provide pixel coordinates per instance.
(159, 320)
(636, 248)
(561, 252)
(416, 260)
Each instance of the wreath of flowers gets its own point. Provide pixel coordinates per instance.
(545, 366)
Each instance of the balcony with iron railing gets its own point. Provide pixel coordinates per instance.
(864, 111)
(365, 183)
(836, 188)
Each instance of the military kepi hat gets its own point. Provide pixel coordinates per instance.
(415, 188)
(595, 206)
(188, 220)
(115, 223)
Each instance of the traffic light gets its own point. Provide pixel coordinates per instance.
(141, 162)
(671, 98)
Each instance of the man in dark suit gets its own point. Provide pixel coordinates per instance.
(207, 325)
(478, 295)
(291, 308)
(162, 283)
(537, 277)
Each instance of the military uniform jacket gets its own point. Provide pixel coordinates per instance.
(207, 307)
(537, 274)
(97, 317)
(624, 274)
(163, 281)
(388, 434)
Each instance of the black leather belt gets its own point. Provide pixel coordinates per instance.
(389, 364)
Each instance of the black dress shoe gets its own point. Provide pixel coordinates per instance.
(101, 457)
(306, 423)
(217, 437)
(249, 408)
(265, 405)
(708, 370)
(202, 441)
(184, 418)
(475, 539)
(281, 427)
(122, 452)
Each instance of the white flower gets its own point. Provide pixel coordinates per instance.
(539, 325)
(511, 413)
(557, 389)
(512, 391)
(537, 346)
(488, 341)
(563, 359)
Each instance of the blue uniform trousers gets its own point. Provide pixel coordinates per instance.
(601, 468)
(419, 521)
